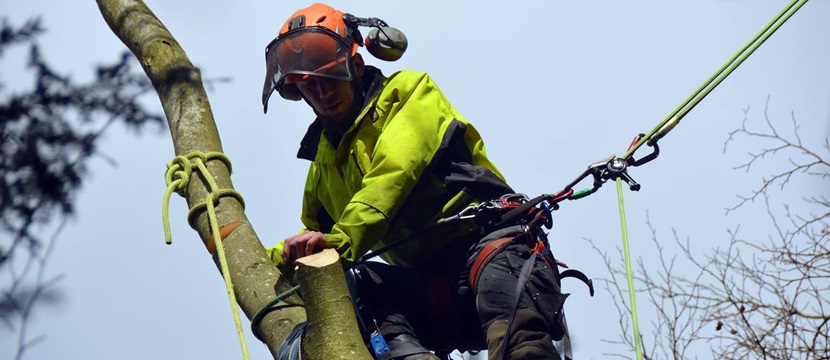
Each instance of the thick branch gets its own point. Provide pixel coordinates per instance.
(178, 83)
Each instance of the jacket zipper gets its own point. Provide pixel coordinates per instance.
(357, 164)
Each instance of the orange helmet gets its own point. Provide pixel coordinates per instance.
(317, 41)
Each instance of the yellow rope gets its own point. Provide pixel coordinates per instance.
(177, 177)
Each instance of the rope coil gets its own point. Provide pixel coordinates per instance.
(177, 177)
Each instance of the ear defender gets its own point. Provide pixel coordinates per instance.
(386, 43)
(383, 41)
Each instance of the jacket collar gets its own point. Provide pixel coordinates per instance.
(373, 81)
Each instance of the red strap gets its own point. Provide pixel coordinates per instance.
(484, 257)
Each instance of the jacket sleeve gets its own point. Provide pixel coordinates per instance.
(314, 216)
(413, 116)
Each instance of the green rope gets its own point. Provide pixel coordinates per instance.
(710, 84)
(632, 298)
(673, 119)
(177, 178)
(257, 319)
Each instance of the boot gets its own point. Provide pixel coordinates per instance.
(529, 338)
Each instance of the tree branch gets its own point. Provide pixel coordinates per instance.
(192, 128)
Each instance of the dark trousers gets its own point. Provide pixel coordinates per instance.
(435, 309)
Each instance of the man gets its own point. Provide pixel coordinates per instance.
(389, 158)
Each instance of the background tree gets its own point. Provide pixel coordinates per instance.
(762, 298)
(49, 134)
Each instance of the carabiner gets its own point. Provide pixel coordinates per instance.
(654, 153)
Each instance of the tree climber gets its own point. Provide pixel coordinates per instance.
(390, 156)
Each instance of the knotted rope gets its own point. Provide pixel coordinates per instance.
(177, 177)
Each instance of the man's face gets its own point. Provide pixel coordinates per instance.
(330, 98)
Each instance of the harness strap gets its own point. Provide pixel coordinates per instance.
(494, 247)
(290, 347)
(539, 250)
(490, 250)
(484, 256)
(524, 276)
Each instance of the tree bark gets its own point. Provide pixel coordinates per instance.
(178, 83)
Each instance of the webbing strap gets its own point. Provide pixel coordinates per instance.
(483, 258)
(290, 348)
(524, 276)
(521, 282)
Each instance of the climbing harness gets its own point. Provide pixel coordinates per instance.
(496, 214)
(177, 177)
(506, 211)
(511, 210)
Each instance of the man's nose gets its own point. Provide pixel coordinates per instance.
(323, 88)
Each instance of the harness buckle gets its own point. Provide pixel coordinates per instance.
(512, 201)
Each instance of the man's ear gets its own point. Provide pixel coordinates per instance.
(359, 65)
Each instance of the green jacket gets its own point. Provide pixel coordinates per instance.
(409, 160)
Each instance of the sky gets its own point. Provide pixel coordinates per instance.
(552, 86)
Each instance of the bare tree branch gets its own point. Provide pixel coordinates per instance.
(753, 298)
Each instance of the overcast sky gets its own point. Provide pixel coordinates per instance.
(551, 85)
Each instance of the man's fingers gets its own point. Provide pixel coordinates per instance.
(289, 251)
(303, 244)
(314, 246)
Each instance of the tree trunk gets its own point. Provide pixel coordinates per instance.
(179, 85)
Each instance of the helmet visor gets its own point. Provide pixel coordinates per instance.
(296, 55)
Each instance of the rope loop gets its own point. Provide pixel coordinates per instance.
(178, 174)
(177, 177)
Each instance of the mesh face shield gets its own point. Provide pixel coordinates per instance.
(298, 54)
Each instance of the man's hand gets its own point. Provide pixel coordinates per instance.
(303, 244)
